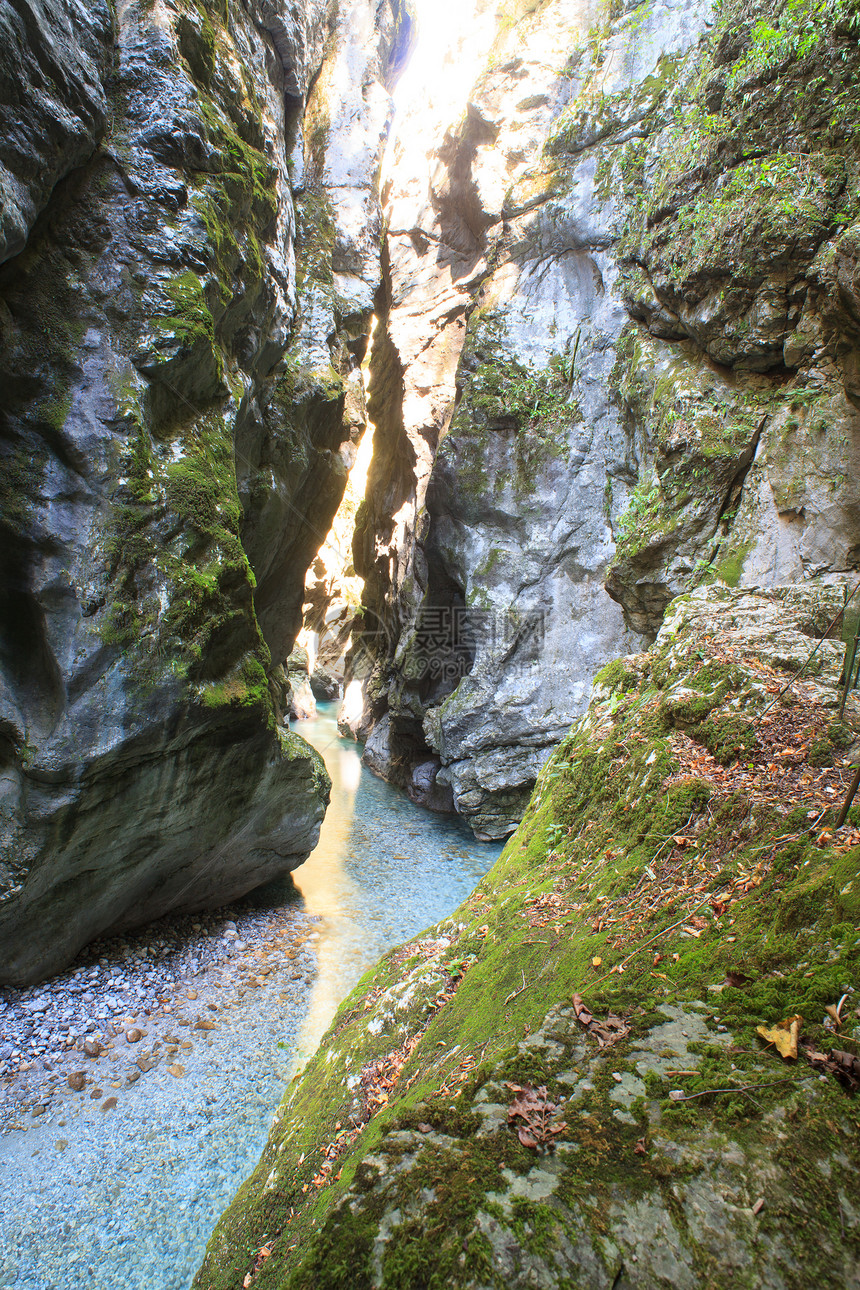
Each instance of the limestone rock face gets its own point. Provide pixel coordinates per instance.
(55, 68)
(498, 435)
(179, 406)
(618, 355)
(739, 379)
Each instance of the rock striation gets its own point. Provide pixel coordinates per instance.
(617, 354)
(190, 229)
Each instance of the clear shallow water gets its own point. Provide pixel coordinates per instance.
(384, 870)
(126, 1200)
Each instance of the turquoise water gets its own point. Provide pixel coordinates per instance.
(384, 870)
(127, 1200)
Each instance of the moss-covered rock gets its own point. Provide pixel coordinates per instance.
(727, 256)
(653, 910)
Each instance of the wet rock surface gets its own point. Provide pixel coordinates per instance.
(177, 422)
(58, 57)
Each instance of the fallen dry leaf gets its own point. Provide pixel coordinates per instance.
(582, 1013)
(847, 1067)
(533, 1107)
(605, 1032)
(784, 1036)
(834, 1010)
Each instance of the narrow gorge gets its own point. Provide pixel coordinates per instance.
(480, 381)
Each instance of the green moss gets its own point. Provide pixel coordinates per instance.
(796, 32)
(642, 520)
(846, 884)
(315, 233)
(726, 736)
(197, 44)
(835, 738)
(185, 608)
(729, 570)
(615, 676)
(752, 160)
(709, 206)
(22, 464)
(249, 688)
(528, 411)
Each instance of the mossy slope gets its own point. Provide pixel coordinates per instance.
(691, 895)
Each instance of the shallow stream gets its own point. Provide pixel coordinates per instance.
(126, 1195)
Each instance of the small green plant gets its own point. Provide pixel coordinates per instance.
(801, 26)
(641, 519)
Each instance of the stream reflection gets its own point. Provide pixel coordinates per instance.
(383, 870)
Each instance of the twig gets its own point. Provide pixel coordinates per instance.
(815, 823)
(735, 1088)
(514, 993)
(645, 944)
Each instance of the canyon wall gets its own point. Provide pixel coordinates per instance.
(616, 359)
(615, 393)
(190, 235)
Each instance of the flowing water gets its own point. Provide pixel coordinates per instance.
(383, 871)
(127, 1198)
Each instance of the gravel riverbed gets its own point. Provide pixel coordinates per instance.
(137, 1092)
